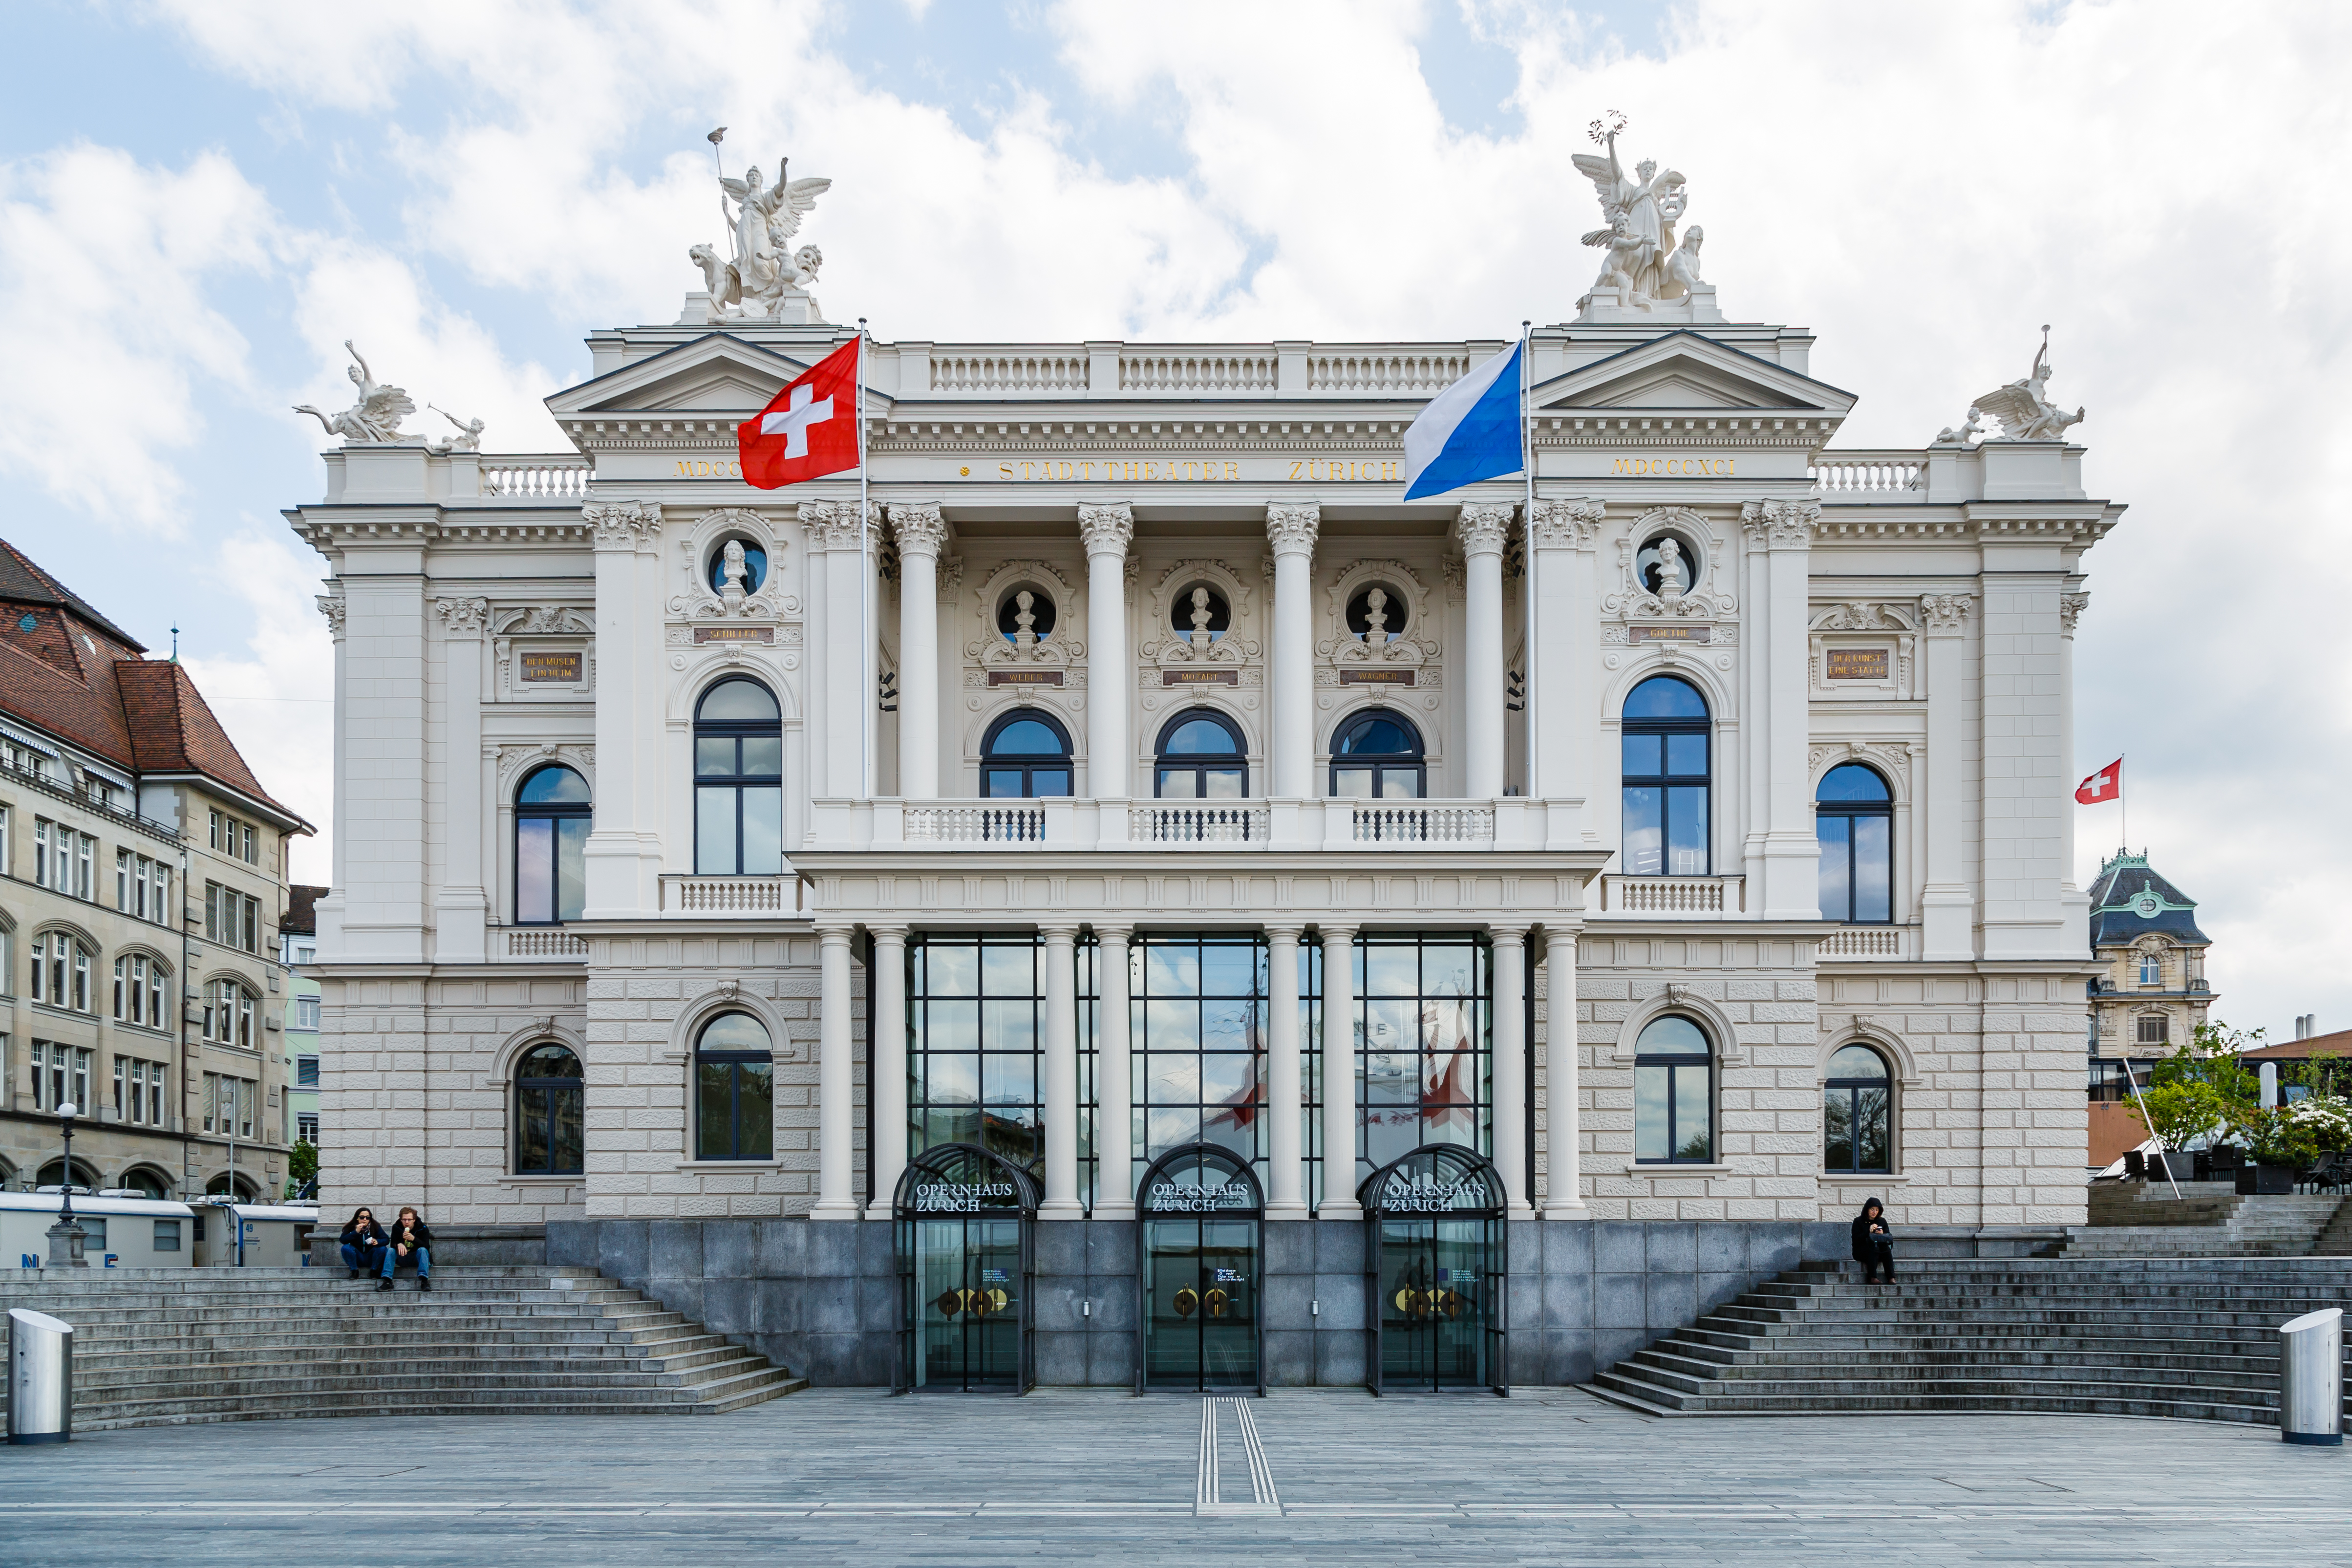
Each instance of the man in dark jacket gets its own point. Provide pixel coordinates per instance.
(409, 1238)
(362, 1243)
(1874, 1244)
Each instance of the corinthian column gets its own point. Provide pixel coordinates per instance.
(1290, 733)
(1481, 530)
(1109, 765)
(920, 534)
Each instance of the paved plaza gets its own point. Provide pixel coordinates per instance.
(853, 1475)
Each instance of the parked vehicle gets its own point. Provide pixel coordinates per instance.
(254, 1235)
(123, 1233)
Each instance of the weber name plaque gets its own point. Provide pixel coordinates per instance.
(1024, 678)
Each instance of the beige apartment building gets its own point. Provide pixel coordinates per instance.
(143, 877)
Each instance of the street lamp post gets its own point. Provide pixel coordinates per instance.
(66, 1236)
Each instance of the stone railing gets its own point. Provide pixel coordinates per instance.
(1871, 476)
(742, 897)
(975, 825)
(1427, 371)
(1850, 942)
(535, 479)
(1209, 370)
(544, 941)
(1009, 373)
(1204, 825)
(1414, 822)
(1673, 898)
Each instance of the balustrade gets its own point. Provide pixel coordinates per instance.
(747, 895)
(537, 479)
(1207, 825)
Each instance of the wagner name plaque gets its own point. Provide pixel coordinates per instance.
(1024, 678)
(1856, 664)
(1200, 677)
(762, 635)
(1376, 677)
(556, 666)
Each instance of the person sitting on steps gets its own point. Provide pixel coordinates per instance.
(1874, 1244)
(362, 1241)
(410, 1237)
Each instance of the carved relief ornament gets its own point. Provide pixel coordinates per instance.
(463, 618)
(332, 606)
(1945, 611)
(1412, 646)
(699, 600)
(1779, 524)
(1060, 645)
(1705, 601)
(1107, 530)
(2070, 610)
(1483, 527)
(1291, 528)
(833, 524)
(920, 529)
(622, 525)
(1164, 646)
(1566, 524)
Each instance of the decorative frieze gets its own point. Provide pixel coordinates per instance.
(622, 525)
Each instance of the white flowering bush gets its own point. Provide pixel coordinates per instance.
(2326, 1119)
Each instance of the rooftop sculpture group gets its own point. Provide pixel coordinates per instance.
(376, 417)
(2023, 409)
(761, 274)
(1642, 262)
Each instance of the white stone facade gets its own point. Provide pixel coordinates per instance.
(1909, 610)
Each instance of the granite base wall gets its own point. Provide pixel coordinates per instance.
(821, 1297)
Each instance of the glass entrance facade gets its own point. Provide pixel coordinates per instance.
(1434, 1271)
(1199, 1209)
(1424, 1036)
(974, 1028)
(962, 1236)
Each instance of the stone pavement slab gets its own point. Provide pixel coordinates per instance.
(852, 1476)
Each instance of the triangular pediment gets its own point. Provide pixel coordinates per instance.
(717, 372)
(1683, 370)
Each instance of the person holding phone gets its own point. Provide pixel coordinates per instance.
(409, 1238)
(1873, 1243)
(362, 1243)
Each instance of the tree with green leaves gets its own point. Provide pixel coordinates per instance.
(301, 1165)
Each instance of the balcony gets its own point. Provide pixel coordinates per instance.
(1673, 898)
(742, 898)
(536, 945)
(1178, 828)
(1848, 944)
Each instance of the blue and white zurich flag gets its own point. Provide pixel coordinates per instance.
(1469, 432)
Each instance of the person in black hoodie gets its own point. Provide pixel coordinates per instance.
(1873, 1246)
(409, 1238)
(362, 1242)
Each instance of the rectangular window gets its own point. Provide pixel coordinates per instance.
(249, 930)
(252, 846)
(2155, 1031)
(93, 1234)
(167, 1235)
(122, 899)
(124, 1107)
(306, 1127)
(79, 1085)
(306, 1072)
(214, 840)
(42, 859)
(247, 1100)
(85, 868)
(306, 1017)
(81, 1002)
(155, 1094)
(8, 866)
(212, 1100)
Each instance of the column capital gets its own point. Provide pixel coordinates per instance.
(1332, 931)
(1291, 528)
(2070, 610)
(834, 930)
(1107, 530)
(1946, 612)
(1514, 933)
(1780, 524)
(1291, 929)
(622, 525)
(1059, 930)
(894, 931)
(1110, 930)
(833, 524)
(918, 530)
(332, 606)
(1566, 524)
(463, 618)
(1482, 527)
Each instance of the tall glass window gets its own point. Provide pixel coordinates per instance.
(974, 1027)
(1674, 1096)
(1377, 755)
(1202, 758)
(548, 1139)
(550, 846)
(1198, 1039)
(1026, 756)
(1666, 779)
(1424, 1033)
(1853, 817)
(738, 783)
(734, 1090)
(1857, 1112)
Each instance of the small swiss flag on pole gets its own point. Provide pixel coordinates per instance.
(2108, 783)
(809, 429)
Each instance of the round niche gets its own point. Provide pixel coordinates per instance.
(738, 560)
(1200, 615)
(1377, 614)
(1666, 554)
(1024, 608)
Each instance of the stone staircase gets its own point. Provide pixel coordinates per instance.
(2191, 1338)
(2209, 1219)
(163, 1346)
(2336, 1241)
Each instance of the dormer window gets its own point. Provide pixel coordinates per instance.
(2151, 969)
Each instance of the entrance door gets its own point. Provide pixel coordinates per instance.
(1435, 1272)
(1200, 1235)
(963, 1225)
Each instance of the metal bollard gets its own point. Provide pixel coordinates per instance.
(40, 1378)
(2310, 1377)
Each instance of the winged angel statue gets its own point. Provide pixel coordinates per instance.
(2023, 407)
(377, 414)
(1641, 260)
(763, 220)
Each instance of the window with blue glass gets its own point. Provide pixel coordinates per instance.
(1666, 737)
(1379, 755)
(1200, 757)
(738, 783)
(1853, 818)
(1026, 756)
(552, 817)
(1674, 1093)
(734, 1090)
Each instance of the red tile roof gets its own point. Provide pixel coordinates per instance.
(302, 914)
(2338, 1044)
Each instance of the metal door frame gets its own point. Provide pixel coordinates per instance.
(1235, 1167)
(906, 1217)
(1463, 1167)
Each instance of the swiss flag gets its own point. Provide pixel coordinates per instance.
(809, 429)
(2108, 783)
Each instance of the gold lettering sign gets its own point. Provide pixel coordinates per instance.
(709, 468)
(1670, 634)
(735, 634)
(1200, 677)
(1189, 470)
(1672, 467)
(1857, 664)
(1376, 677)
(1024, 678)
(562, 667)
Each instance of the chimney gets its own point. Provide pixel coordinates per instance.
(2305, 1026)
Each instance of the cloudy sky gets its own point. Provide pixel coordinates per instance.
(201, 199)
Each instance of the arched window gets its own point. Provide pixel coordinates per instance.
(61, 972)
(146, 1181)
(1853, 817)
(548, 1141)
(240, 1187)
(1026, 756)
(2151, 968)
(139, 985)
(1377, 755)
(551, 814)
(1201, 758)
(739, 781)
(734, 1090)
(1664, 735)
(1673, 1098)
(53, 1175)
(1857, 1112)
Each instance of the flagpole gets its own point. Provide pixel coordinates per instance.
(865, 588)
(2121, 801)
(1527, 562)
